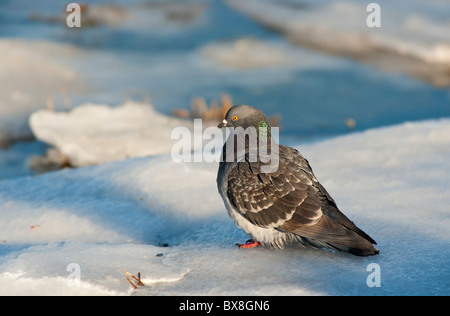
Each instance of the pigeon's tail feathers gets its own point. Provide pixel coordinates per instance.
(362, 252)
(336, 236)
(355, 243)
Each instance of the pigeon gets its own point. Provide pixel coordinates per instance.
(284, 205)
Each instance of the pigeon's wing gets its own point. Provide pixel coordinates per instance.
(332, 212)
(273, 199)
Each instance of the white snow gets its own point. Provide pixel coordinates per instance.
(92, 133)
(407, 27)
(392, 182)
(245, 53)
(413, 37)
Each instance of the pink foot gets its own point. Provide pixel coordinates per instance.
(249, 244)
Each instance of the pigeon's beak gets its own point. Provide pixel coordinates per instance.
(223, 124)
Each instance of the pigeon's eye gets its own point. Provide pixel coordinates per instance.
(235, 118)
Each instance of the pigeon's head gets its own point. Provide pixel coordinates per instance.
(244, 116)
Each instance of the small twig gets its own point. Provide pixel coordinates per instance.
(137, 279)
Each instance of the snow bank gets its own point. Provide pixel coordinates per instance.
(167, 221)
(93, 134)
(249, 53)
(414, 37)
(245, 53)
